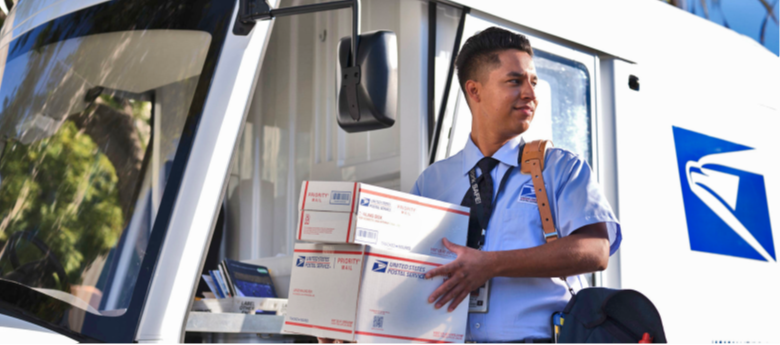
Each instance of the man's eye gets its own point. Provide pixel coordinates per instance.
(515, 81)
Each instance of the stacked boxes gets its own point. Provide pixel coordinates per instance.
(364, 279)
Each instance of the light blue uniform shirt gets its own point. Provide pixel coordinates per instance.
(520, 308)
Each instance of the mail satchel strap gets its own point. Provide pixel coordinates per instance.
(533, 164)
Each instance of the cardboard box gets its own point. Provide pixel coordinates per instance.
(352, 212)
(358, 293)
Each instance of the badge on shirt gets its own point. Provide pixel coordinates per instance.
(479, 298)
(527, 194)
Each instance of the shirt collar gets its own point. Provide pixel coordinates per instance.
(507, 154)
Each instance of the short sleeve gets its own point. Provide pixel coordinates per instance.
(580, 201)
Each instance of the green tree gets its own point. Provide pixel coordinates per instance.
(65, 190)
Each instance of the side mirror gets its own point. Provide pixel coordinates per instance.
(367, 95)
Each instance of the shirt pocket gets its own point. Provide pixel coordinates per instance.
(521, 227)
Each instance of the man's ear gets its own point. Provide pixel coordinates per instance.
(473, 90)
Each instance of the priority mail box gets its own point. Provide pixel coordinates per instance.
(353, 212)
(366, 294)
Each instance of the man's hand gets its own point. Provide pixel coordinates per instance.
(467, 273)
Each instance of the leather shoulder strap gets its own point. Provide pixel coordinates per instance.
(533, 164)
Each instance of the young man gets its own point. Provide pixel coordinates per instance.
(497, 75)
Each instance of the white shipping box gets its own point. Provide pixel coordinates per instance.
(357, 293)
(353, 212)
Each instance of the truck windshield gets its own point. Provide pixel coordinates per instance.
(93, 108)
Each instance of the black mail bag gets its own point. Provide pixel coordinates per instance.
(602, 315)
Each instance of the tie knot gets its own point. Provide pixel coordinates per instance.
(487, 164)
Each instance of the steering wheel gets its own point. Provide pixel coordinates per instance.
(34, 273)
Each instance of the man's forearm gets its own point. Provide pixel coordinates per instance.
(584, 251)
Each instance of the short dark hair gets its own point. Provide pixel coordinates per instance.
(481, 50)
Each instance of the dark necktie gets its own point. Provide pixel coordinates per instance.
(485, 182)
(481, 205)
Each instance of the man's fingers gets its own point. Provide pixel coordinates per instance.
(450, 295)
(445, 287)
(440, 271)
(451, 246)
(459, 299)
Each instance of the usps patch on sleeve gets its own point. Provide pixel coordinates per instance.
(527, 194)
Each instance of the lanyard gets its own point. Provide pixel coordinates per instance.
(479, 216)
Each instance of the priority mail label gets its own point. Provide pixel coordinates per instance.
(324, 287)
(328, 196)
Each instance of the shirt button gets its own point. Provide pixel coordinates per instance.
(476, 325)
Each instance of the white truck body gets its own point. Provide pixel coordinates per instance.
(661, 153)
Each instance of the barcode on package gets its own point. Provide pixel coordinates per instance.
(378, 320)
(340, 198)
(366, 236)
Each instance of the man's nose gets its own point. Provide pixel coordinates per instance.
(527, 91)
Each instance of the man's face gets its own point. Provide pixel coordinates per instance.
(507, 101)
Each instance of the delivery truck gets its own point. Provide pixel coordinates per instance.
(142, 139)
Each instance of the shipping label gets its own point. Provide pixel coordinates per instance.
(340, 197)
(376, 204)
(313, 261)
(399, 269)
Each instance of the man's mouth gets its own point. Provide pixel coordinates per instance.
(527, 110)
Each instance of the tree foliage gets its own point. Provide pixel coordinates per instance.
(64, 190)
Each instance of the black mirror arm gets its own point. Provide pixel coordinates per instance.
(250, 11)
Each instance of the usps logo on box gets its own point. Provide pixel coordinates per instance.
(380, 266)
(340, 198)
(301, 261)
(380, 205)
(725, 205)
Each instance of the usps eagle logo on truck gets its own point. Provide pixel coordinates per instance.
(725, 199)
